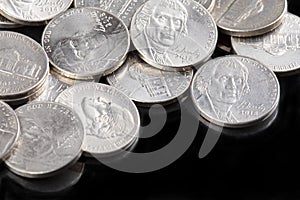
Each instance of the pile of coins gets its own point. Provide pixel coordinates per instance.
(148, 51)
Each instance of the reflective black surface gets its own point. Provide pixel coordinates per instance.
(256, 163)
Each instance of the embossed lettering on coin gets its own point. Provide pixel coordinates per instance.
(279, 50)
(85, 43)
(32, 11)
(143, 83)
(248, 17)
(124, 9)
(51, 138)
(166, 33)
(9, 129)
(235, 91)
(110, 118)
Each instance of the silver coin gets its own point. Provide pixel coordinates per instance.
(235, 91)
(146, 84)
(124, 9)
(9, 129)
(54, 184)
(279, 50)
(208, 4)
(51, 139)
(166, 33)
(111, 120)
(248, 17)
(23, 65)
(84, 43)
(32, 11)
(6, 23)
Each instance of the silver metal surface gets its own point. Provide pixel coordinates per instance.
(173, 34)
(23, 65)
(235, 91)
(32, 11)
(248, 17)
(279, 50)
(146, 84)
(124, 9)
(9, 129)
(208, 4)
(86, 43)
(6, 23)
(111, 120)
(51, 139)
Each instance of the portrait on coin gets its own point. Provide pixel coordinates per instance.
(89, 51)
(222, 89)
(104, 120)
(21, 8)
(161, 24)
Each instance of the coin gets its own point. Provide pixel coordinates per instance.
(9, 129)
(279, 50)
(23, 65)
(248, 17)
(31, 11)
(124, 9)
(146, 84)
(111, 120)
(51, 139)
(208, 4)
(235, 91)
(86, 43)
(166, 33)
(5, 23)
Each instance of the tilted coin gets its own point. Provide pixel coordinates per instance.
(208, 4)
(124, 9)
(235, 91)
(248, 17)
(23, 65)
(146, 84)
(32, 11)
(5, 23)
(111, 120)
(9, 129)
(279, 50)
(85, 43)
(173, 34)
(51, 139)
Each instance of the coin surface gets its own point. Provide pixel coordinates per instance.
(32, 11)
(124, 9)
(166, 33)
(111, 120)
(85, 43)
(51, 139)
(146, 84)
(235, 91)
(23, 65)
(9, 129)
(248, 17)
(208, 4)
(279, 50)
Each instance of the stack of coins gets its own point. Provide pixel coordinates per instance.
(24, 68)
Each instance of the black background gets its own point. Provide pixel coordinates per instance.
(260, 165)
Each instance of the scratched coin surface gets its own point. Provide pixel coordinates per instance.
(235, 91)
(146, 84)
(84, 43)
(166, 33)
(279, 50)
(32, 11)
(124, 9)
(248, 17)
(9, 129)
(51, 139)
(111, 120)
(23, 65)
